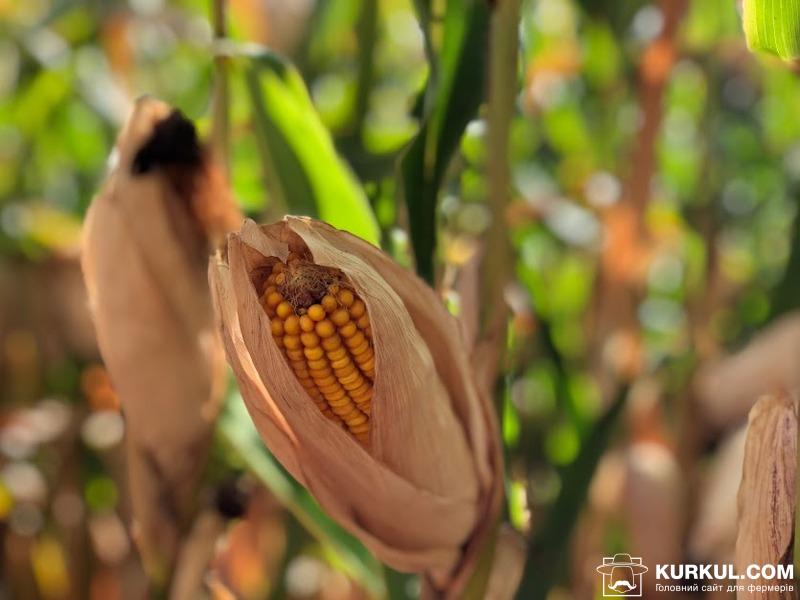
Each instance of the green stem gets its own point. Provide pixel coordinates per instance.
(495, 274)
(550, 545)
(220, 102)
(367, 30)
(503, 71)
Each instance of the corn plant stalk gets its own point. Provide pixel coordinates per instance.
(220, 102)
(503, 52)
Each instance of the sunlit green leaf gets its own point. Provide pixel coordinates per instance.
(773, 26)
(302, 165)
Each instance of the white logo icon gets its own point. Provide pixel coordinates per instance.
(622, 576)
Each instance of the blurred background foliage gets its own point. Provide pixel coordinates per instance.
(654, 171)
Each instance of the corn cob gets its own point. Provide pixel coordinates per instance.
(323, 329)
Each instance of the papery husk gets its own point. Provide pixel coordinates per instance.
(146, 243)
(654, 509)
(728, 387)
(430, 481)
(508, 564)
(712, 537)
(767, 491)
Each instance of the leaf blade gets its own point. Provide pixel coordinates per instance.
(456, 85)
(312, 176)
(773, 26)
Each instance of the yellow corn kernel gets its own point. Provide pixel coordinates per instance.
(348, 330)
(292, 342)
(357, 341)
(274, 299)
(277, 328)
(329, 303)
(340, 317)
(329, 387)
(353, 383)
(307, 324)
(325, 329)
(295, 355)
(316, 312)
(355, 417)
(332, 343)
(360, 350)
(367, 365)
(314, 353)
(323, 371)
(358, 309)
(317, 364)
(345, 371)
(284, 309)
(336, 354)
(337, 394)
(345, 297)
(292, 325)
(310, 340)
(352, 377)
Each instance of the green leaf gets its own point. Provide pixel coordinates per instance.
(550, 545)
(345, 551)
(453, 96)
(301, 165)
(773, 26)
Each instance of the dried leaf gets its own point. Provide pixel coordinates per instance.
(507, 565)
(767, 490)
(728, 388)
(146, 241)
(654, 507)
(713, 534)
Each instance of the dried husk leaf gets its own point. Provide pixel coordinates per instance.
(713, 534)
(728, 387)
(653, 504)
(146, 241)
(430, 476)
(767, 489)
(507, 565)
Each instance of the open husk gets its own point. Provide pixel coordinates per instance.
(767, 490)
(423, 490)
(147, 239)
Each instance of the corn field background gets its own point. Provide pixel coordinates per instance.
(629, 173)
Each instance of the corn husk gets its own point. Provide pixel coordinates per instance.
(653, 503)
(508, 564)
(767, 490)
(425, 493)
(712, 536)
(728, 387)
(146, 242)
